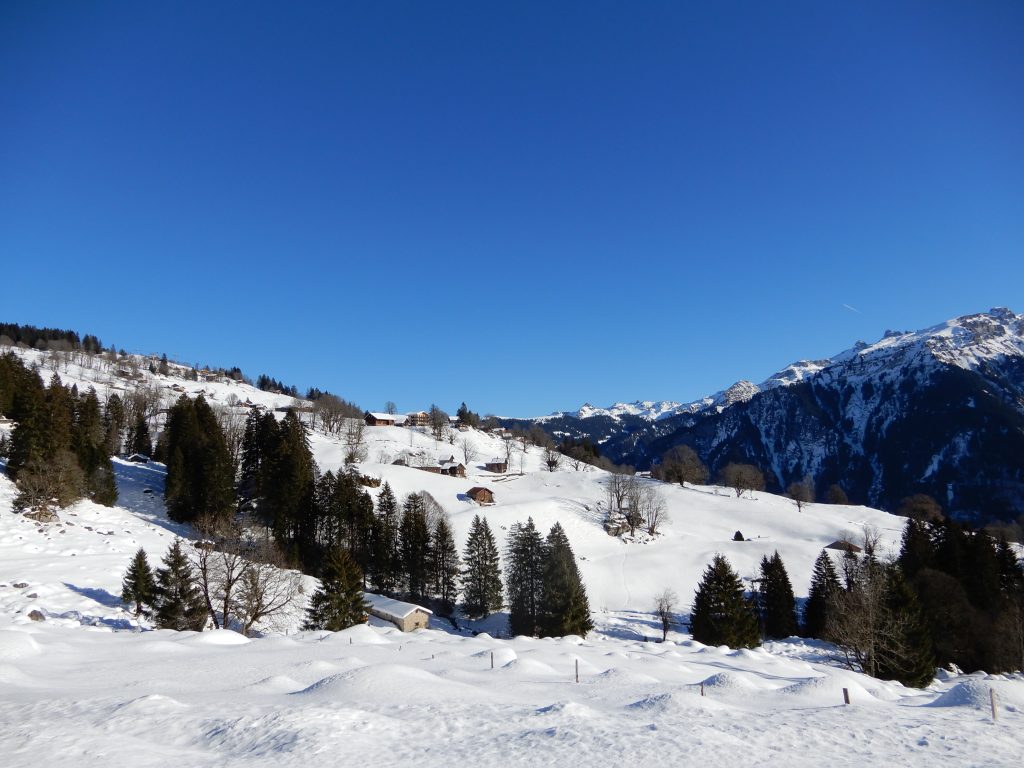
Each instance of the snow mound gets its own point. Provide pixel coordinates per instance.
(828, 690)
(361, 634)
(619, 675)
(17, 645)
(218, 637)
(570, 708)
(275, 684)
(670, 703)
(502, 656)
(154, 703)
(530, 667)
(730, 682)
(388, 683)
(975, 693)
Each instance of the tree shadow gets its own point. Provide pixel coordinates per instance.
(101, 596)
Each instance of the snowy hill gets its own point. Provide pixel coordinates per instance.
(83, 686)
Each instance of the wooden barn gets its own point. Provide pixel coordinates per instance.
(453, 468)
(481, 495)
(499, 466)
(844, 546)
(405, 616)
(379, 419)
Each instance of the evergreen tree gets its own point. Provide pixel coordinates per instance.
(89, 440)
(139, 586)
(565, 608)
(414, 534)
(777, 601)
(338, 604)
(200, 473)
(114, 418)
(386, 557)
(444, 565)
(824, 586)
(917, 550)
(905, 651)
(139, 440)
(481, 575)
(179, 602)
(721, 615)
(525, 557)
(287, 484)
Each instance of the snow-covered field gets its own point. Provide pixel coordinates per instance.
(85, 687)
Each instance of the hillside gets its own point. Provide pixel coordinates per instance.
(83, 686)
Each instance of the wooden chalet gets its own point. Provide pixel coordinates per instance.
(481, 495)
(417, 419)
(844, 546)
(379, 419)
(405, 616)
(499, 466)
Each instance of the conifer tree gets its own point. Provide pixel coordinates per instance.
(200, 472)
(525, 556)
(179, 602)
(444, 565)
(414, 535)
(386, 571)
(339, 603)
(777, 601)
(139, 586)
(721, 615)
(113, 424)
(287, 484)
(824, 586)
(139, 440)
(565, 608)
(905, 652)
(89, 441)
(481, 574)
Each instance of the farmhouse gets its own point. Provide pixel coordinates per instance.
(500, 466)
(453, 468)
(379, 419)
(481, 495)
(405, 616)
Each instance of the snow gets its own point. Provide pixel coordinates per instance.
(88, 685)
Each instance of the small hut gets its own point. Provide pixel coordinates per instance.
(405, 616)
(844, 546)
(498, 466)
(481, 495)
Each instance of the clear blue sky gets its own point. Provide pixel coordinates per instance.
(523, 206)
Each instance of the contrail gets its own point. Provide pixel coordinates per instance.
(853, 309)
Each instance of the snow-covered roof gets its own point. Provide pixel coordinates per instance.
(391, 607)
(384, 416)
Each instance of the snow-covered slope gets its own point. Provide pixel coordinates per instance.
(83, 687)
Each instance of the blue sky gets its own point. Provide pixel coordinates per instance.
(522, 206)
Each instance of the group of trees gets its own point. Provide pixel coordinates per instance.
(12, 334)
(226, 579)
(58, 452)
(546, 596)
(633, 503)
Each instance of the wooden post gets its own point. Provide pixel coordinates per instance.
(992, 700)
(702, 689)
(350, 641)
(577, 670)
(492, 659)
(846, 695)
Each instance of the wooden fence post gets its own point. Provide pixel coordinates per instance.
(846, 695)
(992, 701)
(577, 670)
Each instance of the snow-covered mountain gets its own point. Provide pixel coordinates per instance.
(939, 411)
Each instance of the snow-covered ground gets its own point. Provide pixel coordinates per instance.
(85, 687)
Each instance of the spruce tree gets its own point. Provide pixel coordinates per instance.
(179, 602)
(139, 440)
(414, 535)
(338, 603)
(721, 615)
(139, 586)
(113, 424)
(824, 586)
(777, 601)
(525, 556)
(481, 575)
(386, 559)
(444, 566)
(905, 651)
(287, 484)
(565, 609)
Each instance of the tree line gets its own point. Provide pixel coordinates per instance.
(953, 597)
(58, 451)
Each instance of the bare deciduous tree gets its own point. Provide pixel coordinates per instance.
(552, 458)
(266, 590)
(355, 447)
(742, 477)
(801, 492)
(469, 450)
(664, 605)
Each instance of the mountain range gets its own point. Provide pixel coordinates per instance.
(937, 411)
